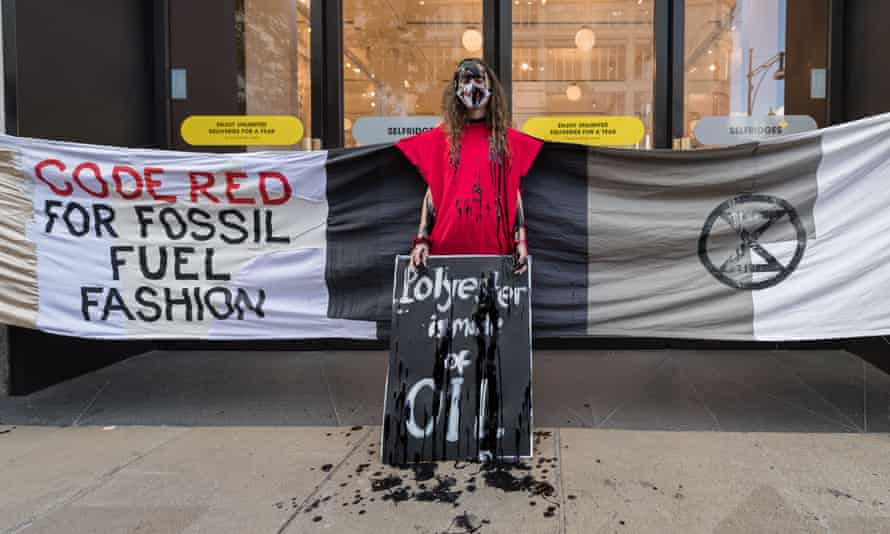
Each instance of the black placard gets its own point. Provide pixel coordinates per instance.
(459, 378)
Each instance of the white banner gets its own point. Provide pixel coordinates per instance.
(151, 244)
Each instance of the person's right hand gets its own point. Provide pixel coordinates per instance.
(419, 255)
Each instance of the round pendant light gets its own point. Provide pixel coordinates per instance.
(573, 92)
(585, 39)
(472, 40)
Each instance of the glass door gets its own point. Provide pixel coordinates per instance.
(398, 58)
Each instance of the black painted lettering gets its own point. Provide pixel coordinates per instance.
(142, 215)
(114, 302)
(201, 219)
(224, 219)
(145, 268)
(244, 299)
(153, 306)
(104, 215)
(86, 302)
(176, 229)
(208, 267)
(117, 261)
(180, 260)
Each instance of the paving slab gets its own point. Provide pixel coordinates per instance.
(46, 469)
(627, 481)
(218, 479)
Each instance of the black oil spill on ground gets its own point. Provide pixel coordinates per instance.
(398, 495)
(502, 478)
(441, 493)
(364, 486)
(468, 522)
(424, 471)
(384, 484)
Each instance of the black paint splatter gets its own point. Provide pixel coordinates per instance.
(501, 478)
(384, 484)
(442, 493)
(469, 522)
(424, 471)
(398, 495)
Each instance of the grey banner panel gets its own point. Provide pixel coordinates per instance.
(651, 246)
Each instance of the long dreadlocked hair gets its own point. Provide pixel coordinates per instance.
(455, 117)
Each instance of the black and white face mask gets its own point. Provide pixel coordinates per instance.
(472, 85)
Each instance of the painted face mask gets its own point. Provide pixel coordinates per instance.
(472, 86)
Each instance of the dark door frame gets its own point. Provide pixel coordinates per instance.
(10, 68)
(667, 95)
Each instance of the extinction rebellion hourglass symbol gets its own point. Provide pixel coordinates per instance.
(742, 237)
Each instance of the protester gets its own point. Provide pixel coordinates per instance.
(473, 163)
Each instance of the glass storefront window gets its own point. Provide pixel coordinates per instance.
(275, 77)
(583, 57)
(399, 56)
(754, 58)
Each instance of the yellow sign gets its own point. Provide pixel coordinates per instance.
(594, 130)
(235, 130)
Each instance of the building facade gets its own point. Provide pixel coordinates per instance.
(128, 73)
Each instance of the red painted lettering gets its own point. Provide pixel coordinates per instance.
(232, 185)
(152, 184)
(286, 190)
(119, 183)
(38, 172)
(202, 187)
(93, 168)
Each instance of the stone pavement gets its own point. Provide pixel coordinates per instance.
(628, 441)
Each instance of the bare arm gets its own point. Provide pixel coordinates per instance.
(427, 216)
(519, 236)
(421, 250)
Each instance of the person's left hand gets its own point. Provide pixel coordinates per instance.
(520, 258)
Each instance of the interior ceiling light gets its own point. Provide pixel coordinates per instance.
(585, 39)
(472, 40)
(573, 92)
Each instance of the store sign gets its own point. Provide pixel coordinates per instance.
(373, 130)
(240, 130)
(732, 130)
(594, 130)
